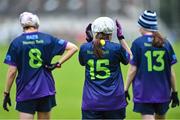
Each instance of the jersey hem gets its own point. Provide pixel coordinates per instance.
(104, 108)
(10, 63)
(34, 97)
(132, 63)
(173, 62)
(162, 101)
(65, 45)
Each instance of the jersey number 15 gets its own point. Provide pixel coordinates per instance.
(101, 66)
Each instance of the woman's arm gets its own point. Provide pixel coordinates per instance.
(121, 39)
(11, 74)
(173, 80)
(71, 49)
(125, 46)
(174, 94)
(130, 76)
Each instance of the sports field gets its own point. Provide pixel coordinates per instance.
(69, 84)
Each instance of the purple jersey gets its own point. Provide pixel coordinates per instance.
(29, 53)
(103, 87)
(152, 80)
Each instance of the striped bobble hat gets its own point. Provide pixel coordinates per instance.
(148, 20)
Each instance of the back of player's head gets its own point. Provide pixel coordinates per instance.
(148, 20)
(102, 29)
(28, 19)
(103, 25)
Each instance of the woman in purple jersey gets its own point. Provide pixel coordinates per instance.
(103, 93)
(151, 72)
(29, 57)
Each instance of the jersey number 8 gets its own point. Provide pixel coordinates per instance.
(35, 60)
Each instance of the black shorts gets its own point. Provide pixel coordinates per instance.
(151, 108)
(113, 114)
(43, 104)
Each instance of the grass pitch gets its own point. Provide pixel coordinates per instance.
(69, 84)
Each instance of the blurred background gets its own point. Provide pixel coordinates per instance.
(68, 18)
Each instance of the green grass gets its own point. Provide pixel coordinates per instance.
(69, 83)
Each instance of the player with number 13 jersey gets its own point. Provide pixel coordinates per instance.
(151, 72)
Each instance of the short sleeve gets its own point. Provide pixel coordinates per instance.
(80, 56)
(134, 50)
(59, 46)
(172, 54)
(124, 55)
(11, 58)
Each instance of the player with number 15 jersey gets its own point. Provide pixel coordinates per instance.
(103, 93)
(103, 81)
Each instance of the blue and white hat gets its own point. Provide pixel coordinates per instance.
(148, 20)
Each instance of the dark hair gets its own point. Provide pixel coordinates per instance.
(36, 26)
(97, 47)
(158, 40)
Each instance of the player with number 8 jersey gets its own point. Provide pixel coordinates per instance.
(103, 93)
(28, 54)
(30, 57)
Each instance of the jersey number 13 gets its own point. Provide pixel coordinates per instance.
(159, 60)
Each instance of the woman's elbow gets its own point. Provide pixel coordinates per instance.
(72, 47)
(75, 48)
(12, 71)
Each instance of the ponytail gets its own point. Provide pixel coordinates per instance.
(97, 48)
(97, 44)
(158, 40)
